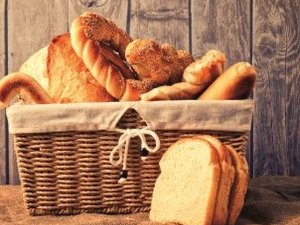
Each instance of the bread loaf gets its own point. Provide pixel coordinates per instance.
(69, 79)
(236, 82)
(239, 188)
(186, 190)
(36, 67)
(226, 181)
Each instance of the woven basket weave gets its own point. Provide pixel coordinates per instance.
(69, 172)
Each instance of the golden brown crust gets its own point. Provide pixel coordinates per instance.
(239, 187)
(134, 89)
(197, 77)
(226, 180)
(26, 86)
(162, 64)
(111, 56)
(69, 79)
(236, 82)
(206, 69)
(181, 204)
(178, 91)
(98, 28)
(107, 67)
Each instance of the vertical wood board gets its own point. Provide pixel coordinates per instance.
(161, 20)
(115, 10)
(2, 112)
(276, 55)
(223, 25)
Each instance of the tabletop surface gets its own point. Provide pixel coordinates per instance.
(269, 200)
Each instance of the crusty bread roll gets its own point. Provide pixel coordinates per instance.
(93, 55)
(186, 190)
(239, 188)
(206, 69)
(69, 79)
(161, 64)
(196, 78)
(226, 181)
(24, 85)
(236, 82)
(36, 66)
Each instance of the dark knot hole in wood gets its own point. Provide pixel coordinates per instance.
(92, 3)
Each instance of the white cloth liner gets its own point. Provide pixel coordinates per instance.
(227, 115)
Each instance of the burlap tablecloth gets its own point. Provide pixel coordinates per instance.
(269, 200)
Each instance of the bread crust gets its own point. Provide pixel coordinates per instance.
(162, 64)
(98, 28)
(196, 78)
(206, 69)
(226, 181)
(134, 89)
(236, 82)
(24, 85)
(158, 211)
(69, 79)
(106, 67)
(239, 187)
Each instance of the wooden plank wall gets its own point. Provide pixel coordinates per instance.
(263, 32)
(3, 163)
(276, 53)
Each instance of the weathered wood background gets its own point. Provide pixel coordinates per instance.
(265, 33)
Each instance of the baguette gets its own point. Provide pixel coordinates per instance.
(177, 91)
(236, 82)
(186, 190)
(24, 85)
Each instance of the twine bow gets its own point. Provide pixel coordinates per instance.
(123, 146)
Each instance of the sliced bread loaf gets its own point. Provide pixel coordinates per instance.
(186, 190)
(239, 187)
(226, 181)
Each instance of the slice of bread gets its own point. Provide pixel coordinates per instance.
(186, 190)
(69, 78)
(239, 187)
(226, 180)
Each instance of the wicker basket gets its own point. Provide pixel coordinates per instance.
(70, 173)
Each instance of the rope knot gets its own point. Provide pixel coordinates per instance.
(123, 146)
